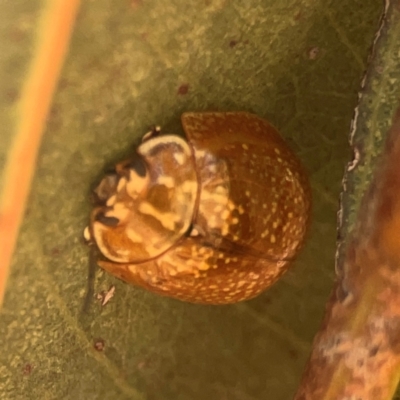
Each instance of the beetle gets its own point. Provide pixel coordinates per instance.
(213, 218)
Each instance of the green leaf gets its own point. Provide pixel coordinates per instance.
(133, 64)
(355, 353)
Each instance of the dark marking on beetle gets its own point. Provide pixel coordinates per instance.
(156, 197)
(138, 165)
(154, 132)
(373, 352)
(110, 171)
(108, 221)
(106, 188)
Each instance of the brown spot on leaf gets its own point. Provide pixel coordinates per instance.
(293, 354)
(233, 43)
(27, 369)
(17, 35)
(12, 95)
(99, 344)
(55, 251)
(183, 89)
(135, 4)
(313, 53)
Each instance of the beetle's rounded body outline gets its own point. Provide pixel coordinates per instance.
(213, 219)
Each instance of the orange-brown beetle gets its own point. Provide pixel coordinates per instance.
(213, 219)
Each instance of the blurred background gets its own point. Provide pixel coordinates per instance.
(132, 64)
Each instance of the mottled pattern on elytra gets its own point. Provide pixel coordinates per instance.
(177, 274)
(268, 192)
(249, 221)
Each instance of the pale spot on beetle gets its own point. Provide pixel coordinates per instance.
(225, 230)
(167, 220)
(212, 222)
(153, 241)
(276, 150)
(121, 184)
(225, 214)
(194, 250)
(119, 211)
(194, 232)
(245, 146)
(200, 153)
(241, 209)
(272, 239)
(235, 221)
(218, 208)
(110, 202)
(134, 236)
(216, 197)
(264, 205)
(231, 205)
(247, 193)
(167, 181)
(180, 158)
(189, 186)
(275, 224)
(181, 267)
(204, 266)
(227, 260)
(136, 183)
(290, 215)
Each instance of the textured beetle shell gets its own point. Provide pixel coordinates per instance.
(215, 220)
